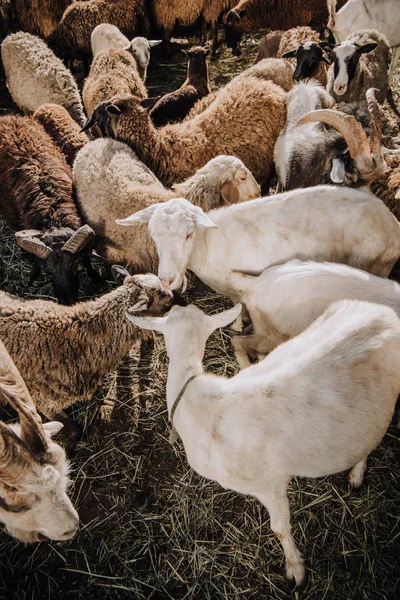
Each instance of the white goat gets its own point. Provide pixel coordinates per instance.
(321, 223)
(285, 299)
(309, 409)
(106, 36)
(364, 14)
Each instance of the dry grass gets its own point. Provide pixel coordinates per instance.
(151, 528)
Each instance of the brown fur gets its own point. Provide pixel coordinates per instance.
(244, 121)
(113, 71)
(167, 13)
(292, 39)
(71, 38)
(35, 180)
(269, 45)
(74, 347)
(39, 17)
(387, 186)
(174, 107)
(63, 130)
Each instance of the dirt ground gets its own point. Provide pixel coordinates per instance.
(151, 528)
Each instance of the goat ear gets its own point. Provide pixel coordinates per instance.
(142, 216)
(119, 273)
(153, 43)
(150, 323)
(52, 428)
(327, 46)
(202, 219)
(290, 54)
(367, 48)
(338, 171)
(226, 317)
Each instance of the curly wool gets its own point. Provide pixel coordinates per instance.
(39, 17)
(387, 186)
(244, 120)
(62, 129)
(74, 347)
(113, 71)
(35, 180)
(35, 76)
(295, 37)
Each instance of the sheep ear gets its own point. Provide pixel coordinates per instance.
(290, 54)
(202, 219)
(142, 216)
(52, 428)
(153, 43)
(367, 48)
(150, 323)
(326, 59)
(112, 109)
(226, 317)
(119, 273)
(230, 192)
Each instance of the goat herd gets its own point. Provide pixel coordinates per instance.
(171, 184)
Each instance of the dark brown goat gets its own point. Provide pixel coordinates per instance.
(175, 106)
(37, 197)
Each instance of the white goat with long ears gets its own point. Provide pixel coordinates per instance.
(33, 469)
(321, 223)
(285, 299)
(309, 409)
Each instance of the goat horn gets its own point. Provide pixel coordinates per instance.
(13, 387)
(346, 125)
(79, 239)
(376, 121)
(25, 239)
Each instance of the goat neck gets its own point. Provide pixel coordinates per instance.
(185, 361)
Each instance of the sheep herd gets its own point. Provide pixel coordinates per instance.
(161, 186)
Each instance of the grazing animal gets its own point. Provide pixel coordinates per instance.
(309, 409)
(303, 46)
(35, 76)
(113, 71)
(308, 153)
(65, 341)
(37, 202)
(285, 299)
(106, 36)
(362, 14)
(175, 106)
(244, 120)
(62, 129)
(34, 504)
(111, 182)
(269, 45)
(323, 223)
(359, 63)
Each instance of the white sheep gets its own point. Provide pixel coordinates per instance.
(285, 299)
(106, 36)
(36, 76)
(317, 405)
(336, 224)
(112, 182)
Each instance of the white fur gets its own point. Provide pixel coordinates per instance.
(309, 409)
(345, 50)
(320, 223)
(36, 76)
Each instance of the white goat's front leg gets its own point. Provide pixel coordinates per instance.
(277, 504)
(356, 476)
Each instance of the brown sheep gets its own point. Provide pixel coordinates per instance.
(167, 13)
(174, 107)
(113, 71)
(39, 17)
(62, 128)
(269, 45)
(301, 46)
(244, 120)
(75, 347)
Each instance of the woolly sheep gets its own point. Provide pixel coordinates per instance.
(35, 76)
(106, 36)
(335, 224)
(359, 63)
(303, 47)
(33, 469)
(75, 347)
(285, 299)
(244, 120)
(111, 182)
(62, 129)
(269, 45)
(175, 106)
(309, 409)
(40, 17)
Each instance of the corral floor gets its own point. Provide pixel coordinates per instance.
(151, 528)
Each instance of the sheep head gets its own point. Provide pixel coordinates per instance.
(60, 253)
(147, 293)
(33, 469)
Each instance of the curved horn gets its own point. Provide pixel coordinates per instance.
(15, 460)
(346, 125)
(27, 240)
(13, 387)
(376, 121)
(79, 239)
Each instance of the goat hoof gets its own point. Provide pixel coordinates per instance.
(296, 575)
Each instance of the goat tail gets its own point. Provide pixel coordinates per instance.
(331, 5)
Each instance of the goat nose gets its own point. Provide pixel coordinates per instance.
(69, 534)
